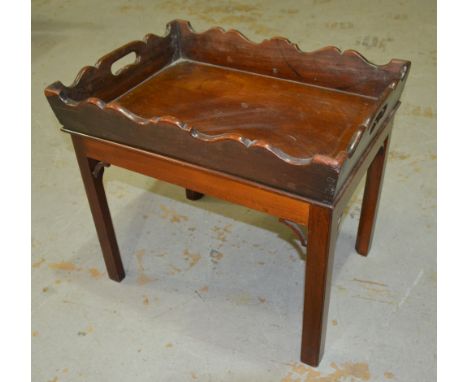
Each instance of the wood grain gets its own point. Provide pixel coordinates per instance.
(218, 100)
(100, 211)
(370, 201)
(323, 230)
(266, 126)
(236, 190)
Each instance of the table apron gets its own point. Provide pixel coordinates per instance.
(196, 178)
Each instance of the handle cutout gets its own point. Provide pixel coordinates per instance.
(121, 63)
(378, 118)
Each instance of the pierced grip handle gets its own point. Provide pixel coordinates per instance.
(137, 47)
(378, 118)
(356, 138)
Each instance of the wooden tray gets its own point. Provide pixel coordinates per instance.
(266, 112)
(262, 125)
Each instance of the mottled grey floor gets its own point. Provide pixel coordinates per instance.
(214, 291)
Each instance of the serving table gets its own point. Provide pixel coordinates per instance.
(263, 125)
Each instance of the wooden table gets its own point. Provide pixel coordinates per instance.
(263, 125)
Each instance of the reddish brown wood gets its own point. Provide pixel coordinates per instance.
(322, 232)
(193, 195)
(366, 157)
(322, 240)
(100, 211)
(296, 230)
(370, 202)
(220, 101)
(263, 125)
(237, 190)
(278, 57)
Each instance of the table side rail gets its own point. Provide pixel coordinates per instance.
(210, 182)
(359, 170)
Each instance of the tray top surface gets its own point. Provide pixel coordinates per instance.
(300, 120)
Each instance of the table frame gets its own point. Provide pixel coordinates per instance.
(322, 220)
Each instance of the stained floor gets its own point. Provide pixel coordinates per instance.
(214, 291)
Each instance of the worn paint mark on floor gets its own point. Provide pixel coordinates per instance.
(191, 258)
(418, 111)
(410, 288)
(221, 232)
(215, 256)
(371, 42)
(38, 263)
(35, 243)
(375, 291)
(374, 299)
(142, 277)
(339, 25)
(95, 273)
(370, 282)
(87, 331)
(389, 375)
(171, 214)
(398, 155)
(300, 373)
(64, 266)
(347, 371)
(174, 270)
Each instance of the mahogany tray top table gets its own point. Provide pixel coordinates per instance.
(263, 125)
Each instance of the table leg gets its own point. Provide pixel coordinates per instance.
(370, 202)
(92, 179)
(322, 234)
(193, 195)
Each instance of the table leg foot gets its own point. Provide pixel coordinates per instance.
(370, 202)
(92, 173)
(322, 233)
(193, 195)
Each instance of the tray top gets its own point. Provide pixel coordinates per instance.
(296, 120)
(266, 112)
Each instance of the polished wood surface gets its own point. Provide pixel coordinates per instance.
(322, 233)
(218, 100)
(206, 181)
(328, 67)
(262, 125)
(100, 210)
(296, 120)
(370, 201)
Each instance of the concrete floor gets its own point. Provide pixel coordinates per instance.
(214, 291)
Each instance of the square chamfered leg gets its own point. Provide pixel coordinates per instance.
(92, 179)
(370, 201)
(321, 239)
(193, 195)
